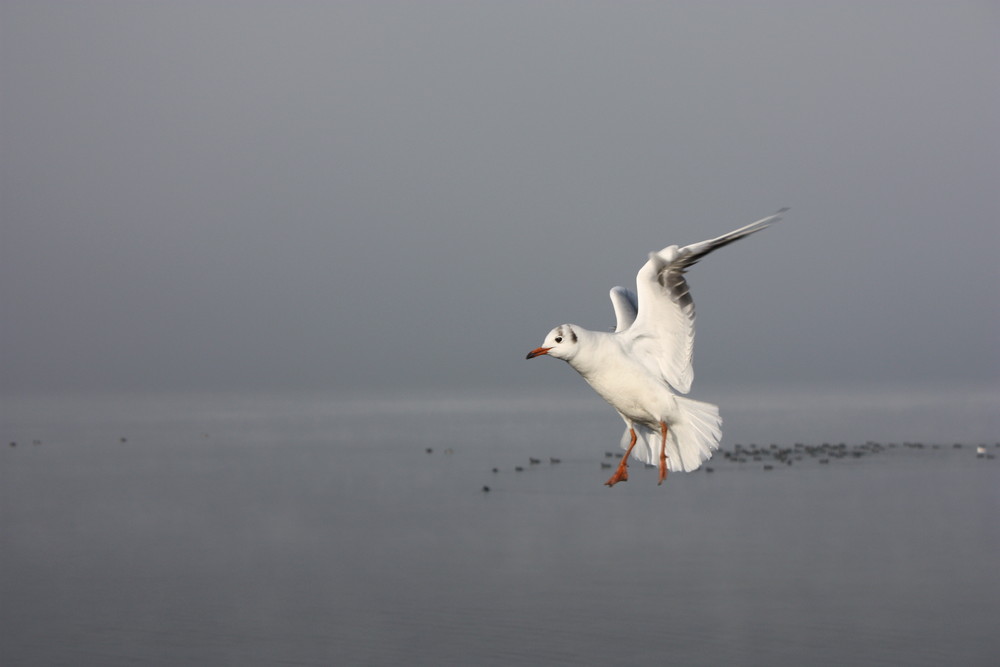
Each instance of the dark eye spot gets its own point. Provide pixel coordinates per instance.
(558, 339)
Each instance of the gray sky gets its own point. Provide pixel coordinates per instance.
(400, 196)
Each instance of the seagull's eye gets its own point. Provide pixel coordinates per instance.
(558, 339)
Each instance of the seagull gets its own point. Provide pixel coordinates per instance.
(639, 367)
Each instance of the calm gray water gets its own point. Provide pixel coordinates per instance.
(300, 532)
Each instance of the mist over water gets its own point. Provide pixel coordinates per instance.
(295, 529)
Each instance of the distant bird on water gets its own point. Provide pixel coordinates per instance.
(638, 368)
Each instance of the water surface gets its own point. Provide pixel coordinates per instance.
(311, 533)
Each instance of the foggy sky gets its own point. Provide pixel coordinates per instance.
(406, 196)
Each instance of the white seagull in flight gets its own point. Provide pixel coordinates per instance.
(638, 368)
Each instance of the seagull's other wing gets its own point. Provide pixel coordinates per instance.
(626, 307)
(662, 335)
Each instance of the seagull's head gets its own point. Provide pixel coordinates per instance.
(561, 343)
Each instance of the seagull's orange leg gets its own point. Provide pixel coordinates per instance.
(621, 475)
(663, 452)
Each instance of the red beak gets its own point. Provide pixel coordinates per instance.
(537, 352)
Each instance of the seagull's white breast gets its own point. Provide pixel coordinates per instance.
(625, 383)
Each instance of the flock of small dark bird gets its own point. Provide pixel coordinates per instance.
(773, 455)
(768, 456)
(13, 443)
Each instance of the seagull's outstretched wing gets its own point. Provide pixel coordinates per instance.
(662, 333)
(626, 307)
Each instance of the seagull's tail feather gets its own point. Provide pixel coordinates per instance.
(691, 439)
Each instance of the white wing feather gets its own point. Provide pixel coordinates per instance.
(662, 333)
(626, 307)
